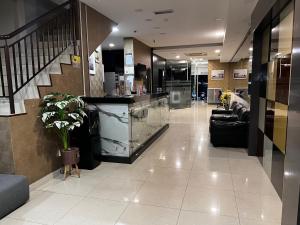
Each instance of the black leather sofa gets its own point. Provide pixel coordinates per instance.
(230, 128)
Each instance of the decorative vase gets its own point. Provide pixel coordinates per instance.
(226, 106)
(70, 157)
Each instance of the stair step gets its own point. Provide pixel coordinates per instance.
(30, 91)
(5, 107)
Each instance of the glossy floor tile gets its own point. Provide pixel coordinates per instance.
(137, 214)
(192, 218)
(212, 201)
(93, 211)
(181, 179)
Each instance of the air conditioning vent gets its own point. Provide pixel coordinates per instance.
(196, 54)
(161, 12)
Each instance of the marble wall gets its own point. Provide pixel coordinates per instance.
(125, 127)
(114, 129)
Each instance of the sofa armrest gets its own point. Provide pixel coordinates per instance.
(219, 125)
(218, 111)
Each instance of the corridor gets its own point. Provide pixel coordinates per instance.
(181, 179)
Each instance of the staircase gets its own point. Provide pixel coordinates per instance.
(29, 55)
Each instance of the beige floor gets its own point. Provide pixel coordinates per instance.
(181, 179)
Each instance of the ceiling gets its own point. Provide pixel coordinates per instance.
(193, 22)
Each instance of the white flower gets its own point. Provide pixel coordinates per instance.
(61, 124)
(50, 125)
(49, 104)
(82, 113)
(77, 124)
(61, 104)
(76, 116)
(46, 97)
(47, 115)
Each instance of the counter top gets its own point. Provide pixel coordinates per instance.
(123, 99)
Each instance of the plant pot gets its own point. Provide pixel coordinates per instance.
(71, 156)
(226, 106)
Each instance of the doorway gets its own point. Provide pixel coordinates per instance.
(199, 87)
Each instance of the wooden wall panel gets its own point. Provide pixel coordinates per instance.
(228, 83)
(142, 53)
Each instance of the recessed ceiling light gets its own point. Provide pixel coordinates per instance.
(156, 28)
(148, 20)
(220, 34)
(217, 51)
(162, 33)
(219, 19)
(201, 59)
(138, 10)
(177, 56)
(251, 49)
(111, 45)
(166, 19)
(115, 29)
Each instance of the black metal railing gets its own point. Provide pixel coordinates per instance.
(28, 50)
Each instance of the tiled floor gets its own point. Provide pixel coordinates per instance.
(181, 179)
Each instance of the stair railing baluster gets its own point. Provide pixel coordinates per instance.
(57, 28)
(14, 74)
(53, 44)
(43, 46)
(9, 78)
(26, 58)
(48, 41)
(37, 36)
(1, 74)
(32, 54)
(20, 62)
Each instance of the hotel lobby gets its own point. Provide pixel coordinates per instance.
(149, 113)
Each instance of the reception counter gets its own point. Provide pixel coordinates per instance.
(128, 125)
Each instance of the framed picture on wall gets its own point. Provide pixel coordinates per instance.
(217, 74)
(92, 64)
(240, 74)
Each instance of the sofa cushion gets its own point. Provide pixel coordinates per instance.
(14, 192)
(224, 117)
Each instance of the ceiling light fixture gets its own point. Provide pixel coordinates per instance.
(219, 19)
(250, 49)
(220, 34)
(111, 45)
(177, 56)
(148, 20)
(115, 29)
(217, 51)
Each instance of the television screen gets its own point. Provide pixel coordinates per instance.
(140, 71)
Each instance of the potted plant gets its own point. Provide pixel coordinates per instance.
(62, 113)
(225, 99)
